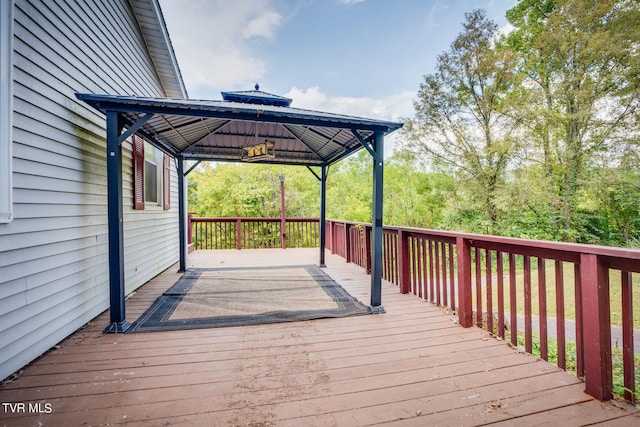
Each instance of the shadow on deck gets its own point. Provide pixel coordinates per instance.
(411, 366)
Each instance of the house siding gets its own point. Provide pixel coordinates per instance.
(53, 254)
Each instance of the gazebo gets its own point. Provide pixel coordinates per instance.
(251, 126)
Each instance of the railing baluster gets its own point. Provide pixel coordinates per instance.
(436, 250)
(542, 308)
(513, 302)
(347, 243)
(367, 246)
(194, 235)
(560, 328)
(391, 256)
(445, 300)
(500, 284)
(422, 250)
(423, 284)
(627, 337)
(208, 233)
(489, 290)
(392, 259)
(432, 294)
(415, 264)
(478, 265)
(394, 254)
(577, 280)
(452, 279)
(528, 343)
(404, 260)
(418, 264)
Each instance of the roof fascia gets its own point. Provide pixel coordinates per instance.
(161, 32)
(234, 112)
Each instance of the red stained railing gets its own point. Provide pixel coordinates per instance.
(252, 233)
(497, 283)
(552, 298)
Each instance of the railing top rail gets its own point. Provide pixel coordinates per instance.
(562, 250)
(544, 248)
(234, 219)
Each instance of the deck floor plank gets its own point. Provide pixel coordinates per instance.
(411, 366)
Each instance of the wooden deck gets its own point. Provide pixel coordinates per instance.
(412, 366)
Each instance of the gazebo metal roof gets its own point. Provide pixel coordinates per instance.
(222, 130)
(219, 130)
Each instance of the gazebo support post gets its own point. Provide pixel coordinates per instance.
(376, 237)
(181, 216)
(118, 322)
(323, 214)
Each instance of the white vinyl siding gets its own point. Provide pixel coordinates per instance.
(53, 254)
(6, 110)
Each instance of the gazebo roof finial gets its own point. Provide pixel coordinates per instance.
(256, 97)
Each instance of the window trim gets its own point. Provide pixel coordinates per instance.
(162, 163)
(166, 182)
(150, 175)
(6, 111)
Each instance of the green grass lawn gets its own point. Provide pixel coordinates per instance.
(570, 352)
(550, 291)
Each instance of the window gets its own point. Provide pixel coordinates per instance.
(6, 110)
(151, 171)
(151, 176)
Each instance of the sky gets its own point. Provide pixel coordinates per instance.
(363, 58)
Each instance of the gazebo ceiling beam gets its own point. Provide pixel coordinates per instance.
(186, 141)
(363, 142)
(299, 138)
(134, 127)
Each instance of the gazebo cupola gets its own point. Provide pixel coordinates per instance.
(256, 97)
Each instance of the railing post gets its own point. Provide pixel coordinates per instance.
(239, 233)
(465, 311)
(404, 272)
(596, 327)
(347, 243)
(189, 229)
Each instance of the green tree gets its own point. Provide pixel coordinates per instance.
(464, 118)
(580, 59)
(349, 188)
(252, 190)
(415, 198)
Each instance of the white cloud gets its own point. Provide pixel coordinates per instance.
(209, 38)
(263, 25)
(434, 19)
(393, 107)
(506, 29)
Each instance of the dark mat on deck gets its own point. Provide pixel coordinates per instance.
(220, 297)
